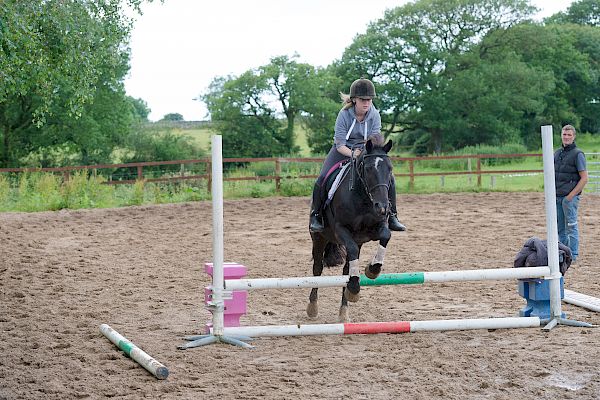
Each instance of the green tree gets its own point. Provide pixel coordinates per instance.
(56, 58)
(256, 112)
(568, 57)
(408, 53)
(141, 108)
(320, 111)
(172, 117)
(582, 12)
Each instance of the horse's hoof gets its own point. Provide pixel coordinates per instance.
(312, 309)
(373, 270)
(343, 316)
(353, 297)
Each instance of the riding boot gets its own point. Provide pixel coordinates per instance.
(393, 221)
(316, 219)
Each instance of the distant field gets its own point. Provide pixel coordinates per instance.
(202, 134)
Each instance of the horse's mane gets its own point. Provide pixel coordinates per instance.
(377, 140)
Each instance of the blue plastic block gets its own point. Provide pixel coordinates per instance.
(537, 294)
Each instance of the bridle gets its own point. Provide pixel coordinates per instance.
(360, 171)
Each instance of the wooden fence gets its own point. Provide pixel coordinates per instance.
(278, 175)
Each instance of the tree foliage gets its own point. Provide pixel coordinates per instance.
(410, 55)
(62, 66)
(256, 111)
(582, 12)
(172, 117)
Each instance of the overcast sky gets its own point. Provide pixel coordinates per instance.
(178, 47)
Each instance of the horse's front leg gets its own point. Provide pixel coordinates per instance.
(319, 243)
(352, 289)
(374, 268)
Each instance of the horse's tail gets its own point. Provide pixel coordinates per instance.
(334, 254)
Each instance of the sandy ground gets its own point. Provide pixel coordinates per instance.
(141, 270)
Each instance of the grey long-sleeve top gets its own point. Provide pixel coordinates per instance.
(349, 132)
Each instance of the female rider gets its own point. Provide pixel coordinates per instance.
(357, 120)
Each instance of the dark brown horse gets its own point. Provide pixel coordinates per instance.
(358, 213)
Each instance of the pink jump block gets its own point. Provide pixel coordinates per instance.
(235, 307)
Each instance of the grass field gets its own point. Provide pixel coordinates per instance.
(202, 135)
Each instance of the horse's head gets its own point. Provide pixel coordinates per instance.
(375, 170)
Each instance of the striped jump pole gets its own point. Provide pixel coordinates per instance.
(137, 354)
(383, 327)
(406, 278)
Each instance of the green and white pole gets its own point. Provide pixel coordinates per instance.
(404, 278)
(154, 367)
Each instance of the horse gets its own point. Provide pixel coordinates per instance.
(358, 213)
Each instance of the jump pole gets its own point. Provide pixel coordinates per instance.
(405, 278)
(384, 327)
(137, 354)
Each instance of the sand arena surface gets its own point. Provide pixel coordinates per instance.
(141, 270)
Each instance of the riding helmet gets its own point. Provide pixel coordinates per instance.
(362, 88)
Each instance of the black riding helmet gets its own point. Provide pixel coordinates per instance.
(362, 88)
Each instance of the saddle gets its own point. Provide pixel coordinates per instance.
(333, 178)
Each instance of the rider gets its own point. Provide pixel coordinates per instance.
(357, 120)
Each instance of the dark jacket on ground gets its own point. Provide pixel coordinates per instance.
(535, 254)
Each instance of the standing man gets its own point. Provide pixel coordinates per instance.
(570, 177)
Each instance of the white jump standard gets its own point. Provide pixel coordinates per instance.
(234, 335)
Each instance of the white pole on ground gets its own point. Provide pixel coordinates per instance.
(137, 354)
(551, 224)
(218, 280)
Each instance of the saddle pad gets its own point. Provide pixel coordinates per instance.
(336, 182)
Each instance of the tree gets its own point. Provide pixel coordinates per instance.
(141, 108)
(256, 112)
(320, 112)
(172, 117)
(568, 56)
(408, 53)
(582, 12)
(56, 57)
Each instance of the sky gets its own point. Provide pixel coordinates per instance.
(178, 47)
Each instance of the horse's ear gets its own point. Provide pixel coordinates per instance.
(369, 146)
(388, 146)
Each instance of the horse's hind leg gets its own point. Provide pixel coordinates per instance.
(312, 310)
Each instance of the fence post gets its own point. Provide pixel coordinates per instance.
(182, 169)
(140, 174)
(277, 175)
(478, 171)
(411, 171)
(470, 168)
(209, 173)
